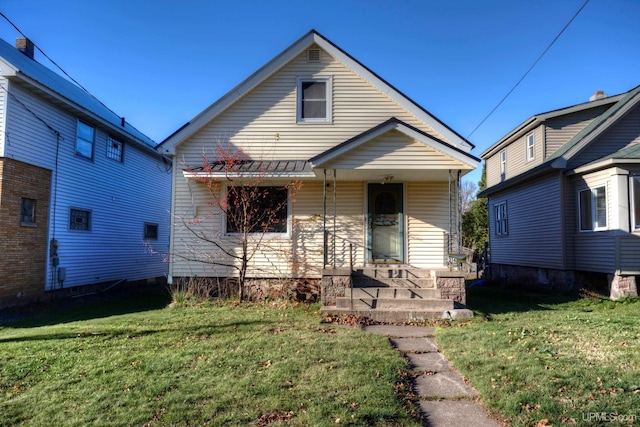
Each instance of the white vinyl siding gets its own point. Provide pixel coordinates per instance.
(394, 150)
(263, 122)
(121, 200)
(427, 223)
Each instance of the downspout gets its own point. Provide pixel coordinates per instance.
(459, 213)
(53, 243)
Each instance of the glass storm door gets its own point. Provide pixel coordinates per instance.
(385, 223)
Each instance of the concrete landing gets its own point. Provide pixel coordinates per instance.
(445, 399)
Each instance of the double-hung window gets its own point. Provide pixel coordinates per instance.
(531, 147)
(500, 219)
(503, 163)
(314, 99)
(593, 209)
(84, 140)
(257, 209)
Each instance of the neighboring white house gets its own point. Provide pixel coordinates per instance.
(564, 197)
(83, 194)
(379, 173)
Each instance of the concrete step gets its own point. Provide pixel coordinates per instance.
(399, 316)
(395, 292)
(365, 281)
(393, 272)
(394, 304)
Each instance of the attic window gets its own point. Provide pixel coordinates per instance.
(313, 55)
(314, 99)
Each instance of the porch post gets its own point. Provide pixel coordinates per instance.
(335, 214)
(324, 219)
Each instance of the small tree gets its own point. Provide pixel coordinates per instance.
(237, 189)
(475, 220)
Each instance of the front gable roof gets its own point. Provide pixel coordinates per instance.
(325, 159)
(312, 37)
(15, 65)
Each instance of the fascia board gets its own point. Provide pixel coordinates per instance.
(392, 93)
(225, 175)
(83, 111)
(199, 121)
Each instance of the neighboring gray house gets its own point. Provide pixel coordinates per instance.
(563, 193)
(83, 194)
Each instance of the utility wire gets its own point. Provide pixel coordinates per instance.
(530, 68)
(56, 64)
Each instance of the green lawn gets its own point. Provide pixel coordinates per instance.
(535, 357)
(142, 363)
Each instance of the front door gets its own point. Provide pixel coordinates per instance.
(385, 223)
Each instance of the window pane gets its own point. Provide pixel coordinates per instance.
(600, 199)
(114, 149)
(79, 220)
(257, 209)
(85, 131)
(585, 210)
(314, 109)
(636, 201)
(27, 211)
(84, 140)
(314, 90)
(151, 231)
(313, 100)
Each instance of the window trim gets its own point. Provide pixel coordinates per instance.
(92, 142)
(89, 220)
(635, 201)
(503, 162)
(593, 209)
(530, 146)
(328, 80)
(110, 140)
(31, 223)
(270, 234)
(146, 235)
(500, 219)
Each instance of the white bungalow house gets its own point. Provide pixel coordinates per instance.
(564, 197)
(379, 173)
(83, 194)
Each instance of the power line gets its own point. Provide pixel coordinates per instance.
(530, 68)
(56, 64)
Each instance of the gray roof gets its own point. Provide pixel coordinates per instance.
(76, 97)
(268, 168)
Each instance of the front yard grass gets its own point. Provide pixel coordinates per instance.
(205, 364)
(566, 360)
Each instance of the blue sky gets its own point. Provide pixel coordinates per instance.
(159, 63)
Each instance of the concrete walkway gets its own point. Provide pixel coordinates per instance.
(444, 398)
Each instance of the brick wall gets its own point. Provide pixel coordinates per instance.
(23, 246)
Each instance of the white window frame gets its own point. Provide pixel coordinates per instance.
(80, 141)
(595, 221)
(500, 219)
(328, 99)
(503, 162)
(115, 149)
(283, 235)
(635, 201)
(531, 146)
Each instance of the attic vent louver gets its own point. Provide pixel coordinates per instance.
(313, 55)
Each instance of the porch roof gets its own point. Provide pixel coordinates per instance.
(253, 169)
